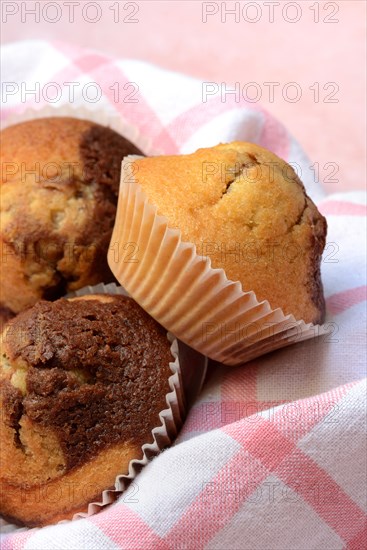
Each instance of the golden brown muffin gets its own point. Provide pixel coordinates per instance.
(245, 209)
(59, 187)
(82, 383)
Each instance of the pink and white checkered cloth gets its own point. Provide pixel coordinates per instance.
(272, 455)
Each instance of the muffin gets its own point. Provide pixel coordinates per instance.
(244, 213)
(59, 188)
(82, 383)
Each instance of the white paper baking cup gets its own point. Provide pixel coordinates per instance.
(171, 419)
(181, 290)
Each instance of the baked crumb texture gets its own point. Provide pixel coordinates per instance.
(59, 187)
(247, 210)
(81, 387)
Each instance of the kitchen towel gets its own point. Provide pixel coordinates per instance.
(272, 455)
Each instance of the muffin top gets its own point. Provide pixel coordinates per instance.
(59, 150)
(59, 187)
(247, 210)
(86, 374)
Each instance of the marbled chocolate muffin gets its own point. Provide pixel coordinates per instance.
(59, 186)
(82, 383)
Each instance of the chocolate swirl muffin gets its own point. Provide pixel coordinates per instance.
(82, 383)
(59, 187)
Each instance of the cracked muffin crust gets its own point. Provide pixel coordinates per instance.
(59, 187)
(247, 210)
(82, 382)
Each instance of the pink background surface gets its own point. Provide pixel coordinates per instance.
(172, 34)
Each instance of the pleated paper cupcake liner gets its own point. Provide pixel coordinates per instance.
(170, 422)
(180, 289)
